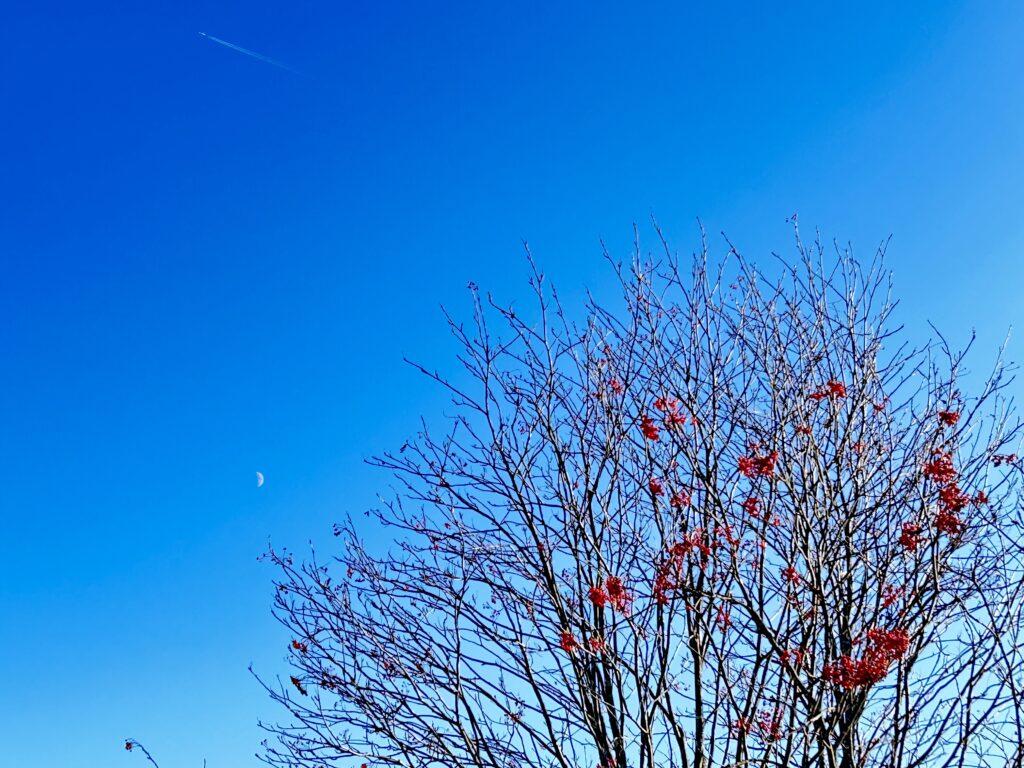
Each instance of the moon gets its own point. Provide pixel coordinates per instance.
(259, 479)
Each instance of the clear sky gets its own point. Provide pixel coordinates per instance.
(212, 265)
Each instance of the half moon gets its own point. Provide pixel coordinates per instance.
(259, 479)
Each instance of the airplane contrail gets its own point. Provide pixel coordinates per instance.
(247, 52)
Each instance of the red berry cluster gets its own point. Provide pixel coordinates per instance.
(794, 657)
(791, 575)
(674, 417)
(952, 500)
(613, 593)
(830, 389)
(767, 725)
(911, 537)
(568, 643)
(757, 465)
(723, 618)
(669, 574)
(891, 594)
(940, 469)
(649, 428)
(883, 648)
(680, 499)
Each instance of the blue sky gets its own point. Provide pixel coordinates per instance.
(213, 266)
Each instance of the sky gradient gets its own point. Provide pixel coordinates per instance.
(213, 265)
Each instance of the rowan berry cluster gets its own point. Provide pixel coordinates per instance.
(757, 465)
(832, 388)
(883, 648)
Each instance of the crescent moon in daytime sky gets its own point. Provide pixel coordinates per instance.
(259, 479)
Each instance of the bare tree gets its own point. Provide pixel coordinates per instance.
(735, 520)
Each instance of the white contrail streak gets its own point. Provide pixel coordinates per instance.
(247, 52)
